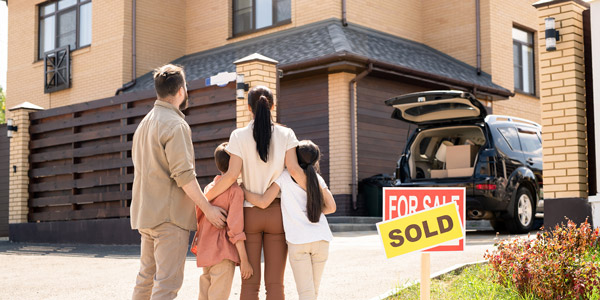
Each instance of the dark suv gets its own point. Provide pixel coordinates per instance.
(498, 159)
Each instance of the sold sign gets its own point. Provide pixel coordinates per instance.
(400, 202)
(421, 230)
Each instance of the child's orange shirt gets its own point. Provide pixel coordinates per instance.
(211, 245)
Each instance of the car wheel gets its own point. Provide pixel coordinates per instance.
(523, 213)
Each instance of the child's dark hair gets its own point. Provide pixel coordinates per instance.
(308, 157)
(260, 99)
(222, 158)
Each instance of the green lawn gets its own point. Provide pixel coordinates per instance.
(473, 282)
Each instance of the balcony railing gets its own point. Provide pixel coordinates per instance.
(57, 69)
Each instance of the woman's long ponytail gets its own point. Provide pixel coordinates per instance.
(260, 100)
(308, 158)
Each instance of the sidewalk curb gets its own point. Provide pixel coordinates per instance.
(433, 276)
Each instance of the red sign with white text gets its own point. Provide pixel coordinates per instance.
(399, 202)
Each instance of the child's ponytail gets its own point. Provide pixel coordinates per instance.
(308, 157)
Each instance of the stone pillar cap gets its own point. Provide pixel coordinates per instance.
(550, 2)
(26, 105)
(255, 56)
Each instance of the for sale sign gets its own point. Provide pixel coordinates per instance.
(421, 230)
(400, 202)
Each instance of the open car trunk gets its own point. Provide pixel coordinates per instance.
(447, 152)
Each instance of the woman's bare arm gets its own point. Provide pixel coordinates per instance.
(231, 176)
(291, 163)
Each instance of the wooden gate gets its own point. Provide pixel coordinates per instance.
(80, 161)
(4, 169)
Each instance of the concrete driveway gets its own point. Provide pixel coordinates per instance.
(357, 269)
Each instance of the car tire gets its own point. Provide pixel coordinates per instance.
(523, 218)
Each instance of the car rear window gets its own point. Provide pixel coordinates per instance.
(511, 137)
(530, 141)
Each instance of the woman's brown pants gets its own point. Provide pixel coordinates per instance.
(264, 230)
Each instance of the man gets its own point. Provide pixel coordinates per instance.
(165, 189)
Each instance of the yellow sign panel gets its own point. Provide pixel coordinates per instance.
(421, 230)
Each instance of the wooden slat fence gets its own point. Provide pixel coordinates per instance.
(80, 161)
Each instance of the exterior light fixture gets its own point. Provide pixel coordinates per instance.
(10, 129)
(241, 87)
(552, 35)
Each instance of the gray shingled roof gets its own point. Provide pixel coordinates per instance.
(327, 38)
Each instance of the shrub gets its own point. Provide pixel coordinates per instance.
(559, 264)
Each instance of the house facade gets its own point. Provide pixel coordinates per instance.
(335, 62)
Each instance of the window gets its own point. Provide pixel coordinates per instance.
(64, 22)
(510, 136)
(530, 141)
(523, 61)
(251, 15)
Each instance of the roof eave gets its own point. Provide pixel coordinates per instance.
(496, 94)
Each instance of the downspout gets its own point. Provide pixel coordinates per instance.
(478, 29)
(133, 52)
(344, 19)
(353, 132)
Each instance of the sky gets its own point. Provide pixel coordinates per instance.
(3, 42)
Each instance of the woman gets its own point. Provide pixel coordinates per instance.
(260, 151)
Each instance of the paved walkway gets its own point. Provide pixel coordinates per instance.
(357, 269)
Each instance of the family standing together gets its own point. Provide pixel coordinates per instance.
(279, 207)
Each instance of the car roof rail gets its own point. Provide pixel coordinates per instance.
(501, 118)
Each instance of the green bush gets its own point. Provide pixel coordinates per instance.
(560, 264)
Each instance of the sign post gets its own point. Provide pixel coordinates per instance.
(425, 276)
(422, 219)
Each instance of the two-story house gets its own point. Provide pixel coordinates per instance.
(337, 61)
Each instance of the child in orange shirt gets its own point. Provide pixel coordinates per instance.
(214, 248)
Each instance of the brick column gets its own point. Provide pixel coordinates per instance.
(564, 135)
(257, 70)
(19, 159)
(340, 157)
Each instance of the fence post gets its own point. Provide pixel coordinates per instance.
(18, 194)
(257, 70)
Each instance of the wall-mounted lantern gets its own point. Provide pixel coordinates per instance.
(552, 35)
(241, 87)
(10, 129)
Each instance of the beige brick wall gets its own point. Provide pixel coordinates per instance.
(563, 104)
(400, 17)
(209, 22)
(503, 16)
(97, 71)
(340, 157)
(18, 193)
(256, 72)
(161, 33)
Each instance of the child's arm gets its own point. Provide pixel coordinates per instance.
(245, 267)
(264, 200)
(329, 206)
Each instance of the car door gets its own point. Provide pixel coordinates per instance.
(531, 143)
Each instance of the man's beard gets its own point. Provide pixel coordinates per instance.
(184, 105)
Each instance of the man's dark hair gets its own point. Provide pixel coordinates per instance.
(222, 158)
(168, 79)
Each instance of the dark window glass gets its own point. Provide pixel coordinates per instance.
(511, 137)
(523, 61)
(530, 141)
(424, 144)
(427, 109)
(249, 15)
(64, 22)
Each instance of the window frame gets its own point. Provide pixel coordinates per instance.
(56, 13)
(520, 45)
(254, 29)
